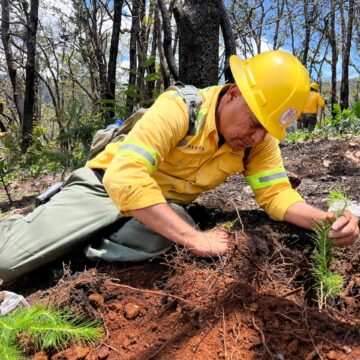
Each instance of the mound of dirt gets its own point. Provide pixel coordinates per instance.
(256, 303)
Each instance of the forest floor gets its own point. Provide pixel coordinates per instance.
(256, 303)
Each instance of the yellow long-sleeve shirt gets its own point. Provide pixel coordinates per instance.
(314, 101)
(157, 161)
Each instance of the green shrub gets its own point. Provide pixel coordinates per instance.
(345, 123)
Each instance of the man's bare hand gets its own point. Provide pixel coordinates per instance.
(345, 230)
(210, 243)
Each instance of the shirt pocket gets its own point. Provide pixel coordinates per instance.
(180, 160)
(231, 166)
(215, 172)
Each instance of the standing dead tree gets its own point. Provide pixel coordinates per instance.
(198, 41)
(334, 52)
(17, 86)
(347, 31)
(29, 100)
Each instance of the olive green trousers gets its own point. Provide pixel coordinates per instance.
(80, 214)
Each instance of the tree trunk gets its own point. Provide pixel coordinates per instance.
(307, 27)
(198, 42)
(134, 33)
(344, 87)
(150, 85)
(334, 55)
(143, 43)
(10, 61)
(165, 75)
(229, 40)
(99, 55)
(114, 46)
(291, 27)
(168, 52)
(27, 124)
(280, 12)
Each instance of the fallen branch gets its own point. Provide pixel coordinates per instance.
(224, 332)
(292, 292)
(160, 293)
(262, 338)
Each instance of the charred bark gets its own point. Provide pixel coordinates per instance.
(10, 61)
(29, 100)
(334, 55)
(114, 46)
(344, 87)
(134, 33)
(229, 40)
(198, 24)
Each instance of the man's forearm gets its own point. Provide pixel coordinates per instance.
(163, 220)
(304, 215)
(344, 230)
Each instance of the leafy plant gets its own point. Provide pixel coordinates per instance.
(344, 123)
(40, 329)
(328, 283)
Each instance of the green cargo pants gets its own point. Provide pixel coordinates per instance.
(80, 214)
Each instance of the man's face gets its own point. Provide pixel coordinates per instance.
(236, 123)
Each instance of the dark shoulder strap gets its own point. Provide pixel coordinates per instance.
(246, 154)
(191, 97)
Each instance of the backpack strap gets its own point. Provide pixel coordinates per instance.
(191, 97)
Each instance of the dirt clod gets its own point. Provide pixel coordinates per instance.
(293, 346)
(40, 356)
(97, 300)
(103, 353)
(333, 355)
(347, 350)
(132, 311)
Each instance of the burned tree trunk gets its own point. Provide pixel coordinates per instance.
(334, 57)
(114, 46)
(347, 36)
(134, 33)
(27, 124)
(10, 61)
(198, 24)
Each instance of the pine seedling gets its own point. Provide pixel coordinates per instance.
(43, 329)
(328, 283)
(8, 349)
(228, 225)
(338, 196)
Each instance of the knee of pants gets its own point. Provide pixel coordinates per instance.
(7, 270)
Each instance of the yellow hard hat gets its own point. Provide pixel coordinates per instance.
(315, 86)
(275, 85)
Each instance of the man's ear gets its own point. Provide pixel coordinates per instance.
(233, 92)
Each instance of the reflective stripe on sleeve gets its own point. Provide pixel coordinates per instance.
(144, 154)
(267, 178)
